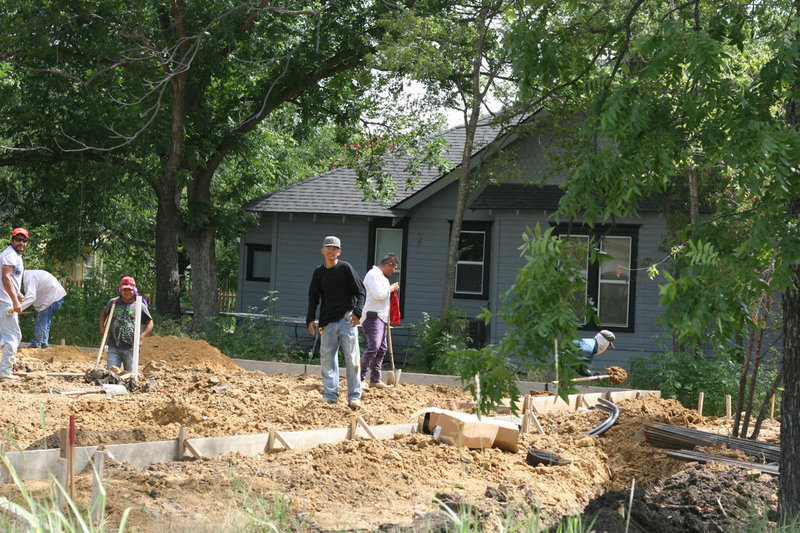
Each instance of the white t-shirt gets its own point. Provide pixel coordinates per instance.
(378, 291)
(41, 289)
(12, 258)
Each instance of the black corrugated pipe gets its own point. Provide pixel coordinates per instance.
(611, 408)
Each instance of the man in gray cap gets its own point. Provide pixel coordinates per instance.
(338, 288)
(594, 346)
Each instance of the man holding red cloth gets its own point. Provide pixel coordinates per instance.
(375, 318)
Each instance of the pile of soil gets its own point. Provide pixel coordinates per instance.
(394, 484)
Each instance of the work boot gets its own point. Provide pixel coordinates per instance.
(378, 385)
(364, 385)
(323, 399)
(354, 404)
(10, 377)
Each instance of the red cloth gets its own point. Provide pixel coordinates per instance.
(394, 309)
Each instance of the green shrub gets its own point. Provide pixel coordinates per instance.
(256, 338)
(435, 338)
(683, 376)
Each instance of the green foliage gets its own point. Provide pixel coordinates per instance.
(683, 376)
(539, 309)
(439, 341)
(270, 513)
(496, 379)
(255, 338)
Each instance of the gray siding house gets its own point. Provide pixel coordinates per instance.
(282, 251)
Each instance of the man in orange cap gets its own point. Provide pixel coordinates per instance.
(120, 337)
(10, 301)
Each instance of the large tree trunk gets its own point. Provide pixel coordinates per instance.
(789, 494)
(202, 253)
(167, 271)
(789, 491)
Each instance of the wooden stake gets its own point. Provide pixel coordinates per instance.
(578, 401)
(772, 409)
(366, 428)
(181, 443)
(526, 402)
(273, 435)
(67, 455)
(192, 450)
(727, 406)
(537, 424)
(700, 403)
(351, 431)
(98, 491)
(282, 440)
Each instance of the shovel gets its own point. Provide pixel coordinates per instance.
(107, 388)
(105, 334)
(393, 378)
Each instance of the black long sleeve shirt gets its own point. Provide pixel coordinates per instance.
(339, 289)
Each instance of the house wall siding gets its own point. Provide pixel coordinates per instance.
(508, 229)
(298, 244)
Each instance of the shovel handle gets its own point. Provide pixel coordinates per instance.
(587, 378)
(105, 334)
(79, 392)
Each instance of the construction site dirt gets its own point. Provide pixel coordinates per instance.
(393, 484)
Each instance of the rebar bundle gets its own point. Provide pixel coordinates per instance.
(678, 438)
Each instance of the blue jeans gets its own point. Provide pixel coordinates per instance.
(333, 335)
(120, 357)
(10, 335)
(41, 332)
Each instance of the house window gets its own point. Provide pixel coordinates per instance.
(610, 285)
(389, 240)
(259, 260)
(472, 266)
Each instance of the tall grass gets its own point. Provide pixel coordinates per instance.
(43, 514)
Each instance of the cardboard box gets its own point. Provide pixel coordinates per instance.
(463, 429)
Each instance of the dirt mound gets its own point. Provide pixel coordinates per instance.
(170, 351)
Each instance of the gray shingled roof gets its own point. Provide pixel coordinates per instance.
(335, 191)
